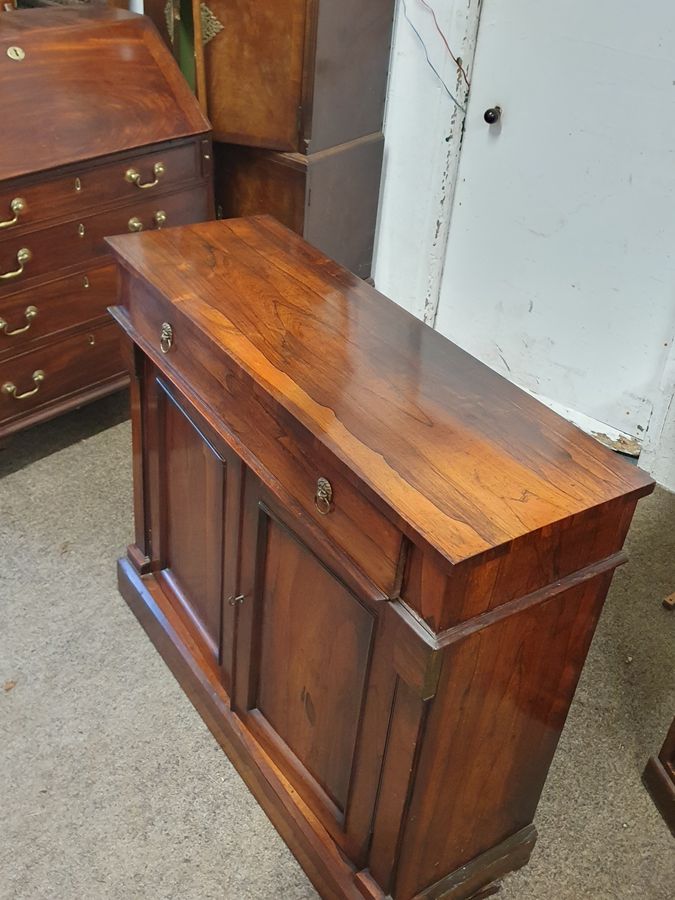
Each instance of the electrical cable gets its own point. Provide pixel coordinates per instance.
(454, 58)
(429, 63)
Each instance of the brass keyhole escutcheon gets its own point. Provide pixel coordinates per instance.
(323, 499)
(16, 53)
(166, 338)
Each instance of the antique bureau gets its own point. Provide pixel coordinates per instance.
(374, 565)
(100, 135)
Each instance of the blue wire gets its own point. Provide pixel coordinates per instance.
(430, 64)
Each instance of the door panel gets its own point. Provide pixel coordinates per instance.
(194, 502)
(304, 642)
(315, 637)
(195, 523)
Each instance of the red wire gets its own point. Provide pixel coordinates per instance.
(445, 41)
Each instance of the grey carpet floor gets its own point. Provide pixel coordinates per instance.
(112, 787)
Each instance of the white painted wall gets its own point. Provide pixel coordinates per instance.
(423, 131)
(559, 270)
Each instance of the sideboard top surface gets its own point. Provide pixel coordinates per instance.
(92, 81)
(469, 461)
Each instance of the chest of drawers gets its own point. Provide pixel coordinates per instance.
(374, 565)
(100, 136)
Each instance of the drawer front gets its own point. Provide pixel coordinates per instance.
(24, 206)
(41, 376)
(307, 472)
(37, 253)
(27, 316)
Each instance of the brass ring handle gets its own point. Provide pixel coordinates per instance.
(22, 257)
(133, 176)
(18, 207)
(166, 337)
(9, 389)
(323, 499)
(30, 313)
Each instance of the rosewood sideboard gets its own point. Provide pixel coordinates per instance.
(374, 565)
(100, 135)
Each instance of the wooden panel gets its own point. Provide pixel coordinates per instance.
(467, 462)
(193, 507)
(98, 81)
(59, 246)
(303, 654)
(61, 196)
(61, 304)
(492, 730)
(254, 72)
(69, 365)
(343, 195)
(397, 778)
(250, 182)
(350, 71)
(330, 198)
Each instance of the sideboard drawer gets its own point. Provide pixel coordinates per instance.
(55, 306)
(295, 463)
(52, 372)
(343, 514)
(24, 206)
(37, 253)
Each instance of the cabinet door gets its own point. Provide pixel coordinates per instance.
(305, 642)
(254, 71)
(194, 517)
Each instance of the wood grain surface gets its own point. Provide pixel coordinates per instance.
(95, 81)
(468, 461)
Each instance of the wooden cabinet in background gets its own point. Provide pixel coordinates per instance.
(330, 197)
(297, 75)
(101, 136)
(304, 81)
(374, 565)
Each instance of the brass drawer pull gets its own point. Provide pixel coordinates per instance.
(133, 176)
(22, 257)
(18, 207)
(159, 218)
(9, 389)
(30, 313)
(323, 499)
(166, 337)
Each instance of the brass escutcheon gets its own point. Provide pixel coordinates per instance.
(16, 53)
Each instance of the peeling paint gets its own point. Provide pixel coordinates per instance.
(623, 444)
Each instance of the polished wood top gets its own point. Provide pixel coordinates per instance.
(469, 461)
(92, 82)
